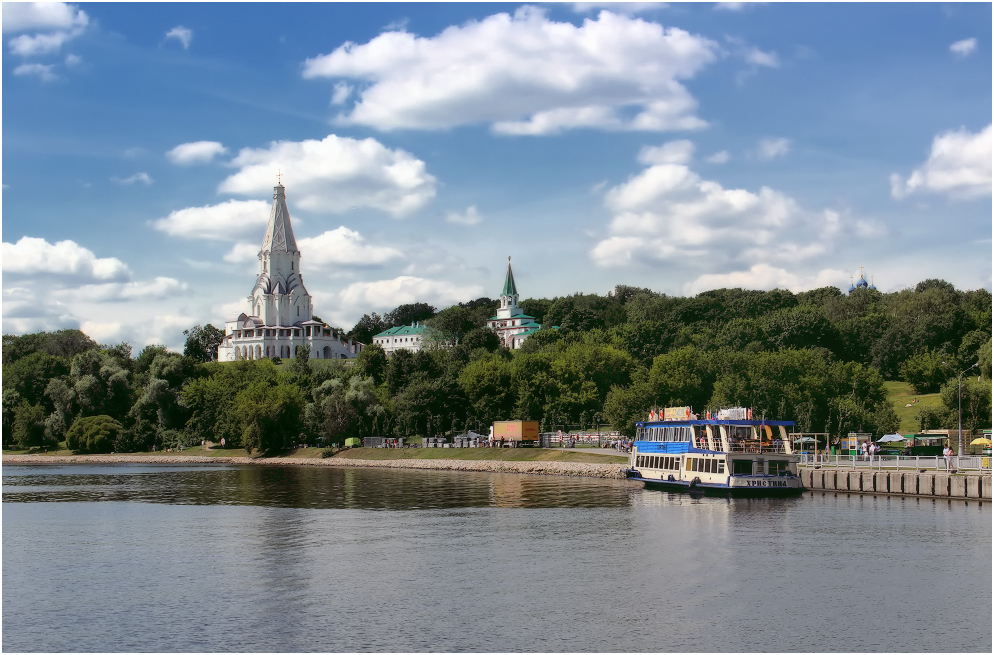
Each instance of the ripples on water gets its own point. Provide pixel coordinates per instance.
(209, 558)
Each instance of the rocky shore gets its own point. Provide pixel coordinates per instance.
(573, 469)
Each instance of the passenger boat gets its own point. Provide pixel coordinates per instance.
(727, 453)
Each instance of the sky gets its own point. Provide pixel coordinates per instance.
(679, 147)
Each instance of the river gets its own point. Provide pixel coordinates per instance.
(229, 558)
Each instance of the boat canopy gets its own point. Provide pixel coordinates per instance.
(660, 424)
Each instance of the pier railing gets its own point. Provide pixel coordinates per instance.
(755, 447)
(898, 462)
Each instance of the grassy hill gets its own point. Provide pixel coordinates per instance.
(901, 394)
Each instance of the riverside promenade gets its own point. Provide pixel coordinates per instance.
(928, 484)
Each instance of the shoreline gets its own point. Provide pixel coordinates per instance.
(567, 469)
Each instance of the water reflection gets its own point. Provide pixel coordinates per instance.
(308, 487)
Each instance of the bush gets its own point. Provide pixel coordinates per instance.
(925, 372)
(93, 434)
(328, 452)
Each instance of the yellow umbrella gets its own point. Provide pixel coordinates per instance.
(980, 442)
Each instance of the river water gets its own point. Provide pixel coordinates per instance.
(224, 558)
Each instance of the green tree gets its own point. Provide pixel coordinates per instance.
(409, 313)
(30, 375)
(976, 403)
(29, 426)
(202, 342)
(925, 371)
(93, 434)
(372, 362)
(488, 388)
(271, 413)
(367, 327)
(624, 406)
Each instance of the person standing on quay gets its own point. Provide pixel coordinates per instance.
(947, 454)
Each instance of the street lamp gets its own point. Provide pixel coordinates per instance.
(960, 378)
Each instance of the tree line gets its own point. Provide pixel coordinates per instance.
(818, 358)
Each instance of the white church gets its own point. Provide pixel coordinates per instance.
(280, 316)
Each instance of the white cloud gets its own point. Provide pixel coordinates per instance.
(524, 74)
(44, 71)
(158, 289)
(627, 8)
(137, 177)
(758, 57)
(773, 147)
(669, 213)
(73, 60)
(336, 174)
(964, 48)
(341, 93)
(959, 166)
(242, 253)
(674, 152)
(196, 152)
(721, 157)
(469, 217)
(182, 34)
(64, 285)
(32, 256)
(55, 23)
(24, 16)
(22, 313)
(387, 294)
(765, 276)
(228, 221)
(735, 6)
(344, 247)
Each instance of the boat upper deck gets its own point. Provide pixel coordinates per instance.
(714, 435)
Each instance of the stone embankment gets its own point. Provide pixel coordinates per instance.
(574, 469)
(928, 484)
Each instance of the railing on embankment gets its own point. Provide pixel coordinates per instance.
(931, 484)
(970, 463)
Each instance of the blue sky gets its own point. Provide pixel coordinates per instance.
(679, 147)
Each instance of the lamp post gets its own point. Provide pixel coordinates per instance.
(960, 384)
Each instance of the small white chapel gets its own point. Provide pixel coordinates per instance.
(280, 316)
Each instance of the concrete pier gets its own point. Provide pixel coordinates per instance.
(927, 484)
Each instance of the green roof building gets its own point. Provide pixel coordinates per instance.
(402, 337)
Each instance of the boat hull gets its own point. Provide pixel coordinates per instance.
(736, 491)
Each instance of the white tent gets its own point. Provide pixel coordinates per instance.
(887, 438)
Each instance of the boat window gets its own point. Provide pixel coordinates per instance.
(778, 468)
(721, 466)
(741, 467)
(655, 462)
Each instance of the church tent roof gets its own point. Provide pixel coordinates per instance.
(509, 288)
(279, 233)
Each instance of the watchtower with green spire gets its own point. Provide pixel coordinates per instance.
(511, 323)
(509, 296)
